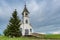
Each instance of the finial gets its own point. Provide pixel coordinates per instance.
(25, 3)
(15, 9)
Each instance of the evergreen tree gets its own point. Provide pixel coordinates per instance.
(13, 26)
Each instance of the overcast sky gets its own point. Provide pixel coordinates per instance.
(44, 14)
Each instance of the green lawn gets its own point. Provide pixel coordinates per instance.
(47, 37)
(18, 38)
(53, 36)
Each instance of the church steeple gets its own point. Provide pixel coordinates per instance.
(25, 10)
(26, 28)
(25, 15)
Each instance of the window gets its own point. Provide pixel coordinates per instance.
(26, 14)
(26, 21)
(21, 29)
(30, 30)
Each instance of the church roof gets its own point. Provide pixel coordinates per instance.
(25, 10)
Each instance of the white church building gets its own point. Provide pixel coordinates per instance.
(26, 28)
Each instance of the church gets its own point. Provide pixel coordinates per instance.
(26, 28)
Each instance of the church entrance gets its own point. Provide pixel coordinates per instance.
(26, 32)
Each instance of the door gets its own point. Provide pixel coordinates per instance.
(26, 32)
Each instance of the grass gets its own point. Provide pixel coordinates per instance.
(18, 38)
(47, 37)
(55, 36)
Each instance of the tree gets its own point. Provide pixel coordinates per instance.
(13, 26)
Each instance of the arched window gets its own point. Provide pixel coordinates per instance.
(21, 29)
(26, 21)
(30, 30)
(26, 14)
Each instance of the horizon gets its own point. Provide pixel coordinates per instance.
(44, 14)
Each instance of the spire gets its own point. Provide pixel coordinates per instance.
(25, 9)
(15, 9)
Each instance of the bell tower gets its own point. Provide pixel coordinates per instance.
(25, 15)
(25, 28)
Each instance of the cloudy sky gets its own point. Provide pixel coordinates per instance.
(44, 14)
